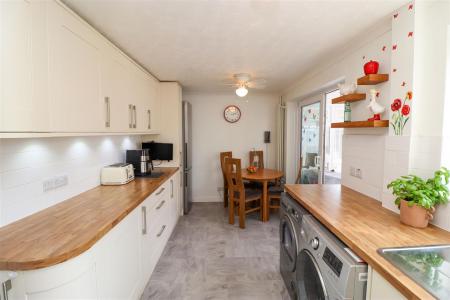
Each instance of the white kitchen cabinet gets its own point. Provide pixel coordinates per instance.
(118, 261)
(159, 217)
(23, 72)
(60, 76)
(116, 82)
(74, 73)
(379, 289)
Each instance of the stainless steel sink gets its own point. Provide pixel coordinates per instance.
(429, 266)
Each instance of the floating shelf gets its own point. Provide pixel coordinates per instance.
(373, 79)
(349, 98)
(361, 124)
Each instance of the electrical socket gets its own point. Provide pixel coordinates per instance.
(355, 172)
(352, 171)
(55, 182)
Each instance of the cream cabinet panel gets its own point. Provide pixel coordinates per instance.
(118, 262)
(379, 289)
(23, 79)
(115, 93)
(74, 73)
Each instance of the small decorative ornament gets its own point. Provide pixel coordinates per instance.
(401, 111)
(232, 113)
(374, 106)
(346, 89)
(371, 67)
(347, 112)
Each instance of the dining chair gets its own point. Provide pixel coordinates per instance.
(274, 193)
(257, 156)
(223, 157)
(238, 195)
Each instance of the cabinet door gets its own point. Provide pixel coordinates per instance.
(23, 72)
(118, 261)
(115, 86)
(74, 73)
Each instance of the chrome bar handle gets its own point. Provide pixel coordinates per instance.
(130, 115)
(6, 287)
(144, 220)
(135, 116)
(161, 204)
(171, 188)
(108, 113)
(161, 231)
(160, 191)
(149, 112)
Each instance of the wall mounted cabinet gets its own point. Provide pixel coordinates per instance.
(60, 76)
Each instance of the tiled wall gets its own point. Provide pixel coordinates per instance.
(365, 152)
(26, 163)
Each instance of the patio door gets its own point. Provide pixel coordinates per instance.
(311, 141)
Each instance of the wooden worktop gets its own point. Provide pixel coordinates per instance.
(365, 226)
(69, 228)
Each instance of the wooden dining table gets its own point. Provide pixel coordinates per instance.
(263, 176)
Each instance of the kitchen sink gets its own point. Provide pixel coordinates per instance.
(429, 266)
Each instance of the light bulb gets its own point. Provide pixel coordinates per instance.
(241, 91)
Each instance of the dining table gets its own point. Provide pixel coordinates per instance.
(263, 176)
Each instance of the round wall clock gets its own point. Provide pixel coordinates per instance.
(232, 113)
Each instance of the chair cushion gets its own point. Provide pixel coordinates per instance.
(276, 189)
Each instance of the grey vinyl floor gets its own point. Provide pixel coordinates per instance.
(206, 258)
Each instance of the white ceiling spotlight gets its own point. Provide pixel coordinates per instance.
(243, 82)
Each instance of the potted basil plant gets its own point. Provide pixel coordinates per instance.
(417, 198)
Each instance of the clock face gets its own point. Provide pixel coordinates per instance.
(232, 113)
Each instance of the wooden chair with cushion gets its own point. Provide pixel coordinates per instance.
(238, 195)
(223, 157)
(274, 193)
(258, 157)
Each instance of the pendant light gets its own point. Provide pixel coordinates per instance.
(242, 91)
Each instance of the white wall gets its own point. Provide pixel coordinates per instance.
(26, 163)
(211, 134)
(362, 148)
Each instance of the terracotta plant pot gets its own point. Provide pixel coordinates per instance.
(415, 216)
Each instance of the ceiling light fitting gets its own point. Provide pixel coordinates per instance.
(242, 91)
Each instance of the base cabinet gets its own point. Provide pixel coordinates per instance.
(379, 289)
(118, 266)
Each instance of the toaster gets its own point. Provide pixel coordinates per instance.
(117, 174)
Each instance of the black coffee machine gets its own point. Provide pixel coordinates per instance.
(141, 161)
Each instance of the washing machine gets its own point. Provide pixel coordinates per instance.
(291, 215)
(327, 269)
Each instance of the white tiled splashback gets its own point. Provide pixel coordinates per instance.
(26, 163)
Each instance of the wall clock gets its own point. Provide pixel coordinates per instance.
(232, 113)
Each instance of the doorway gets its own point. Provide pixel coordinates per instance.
(320, 146)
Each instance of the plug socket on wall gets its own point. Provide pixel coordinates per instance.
(55, 182)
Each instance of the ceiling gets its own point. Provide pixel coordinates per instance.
(201, 43)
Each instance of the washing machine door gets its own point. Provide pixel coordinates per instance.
(310, 282)
(288, 243)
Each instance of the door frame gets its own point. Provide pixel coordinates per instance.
(316, 98)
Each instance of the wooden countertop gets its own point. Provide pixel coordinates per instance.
(365, 226)
(71, 227)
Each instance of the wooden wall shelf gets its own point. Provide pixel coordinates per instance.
(361, 124)
(349, 98)
(373, 79)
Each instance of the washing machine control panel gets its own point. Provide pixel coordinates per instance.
(332, 261)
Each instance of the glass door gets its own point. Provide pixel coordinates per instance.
(310, 143)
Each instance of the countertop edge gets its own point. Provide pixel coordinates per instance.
(80, 249)
(399, 285)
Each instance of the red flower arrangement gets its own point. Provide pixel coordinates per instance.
(401, 113)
